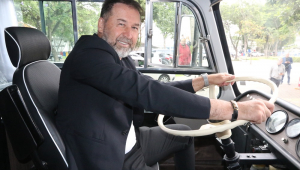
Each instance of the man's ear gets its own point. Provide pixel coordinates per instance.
(100, 26)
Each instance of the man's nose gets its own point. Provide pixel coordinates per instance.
(127, 32)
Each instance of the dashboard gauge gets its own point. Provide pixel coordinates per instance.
(293, 128)
(277, 121)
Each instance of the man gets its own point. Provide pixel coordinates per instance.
(276, 72)
(102, 98)
(184, 53)
(287, 61)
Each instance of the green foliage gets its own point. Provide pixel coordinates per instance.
(296, 59)
(270, 25)
(164, 17)
(58, 20)
(28, 14)
(143, 5)
(88, 14)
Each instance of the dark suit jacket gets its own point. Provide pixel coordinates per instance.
(100, 95)
(288, 66)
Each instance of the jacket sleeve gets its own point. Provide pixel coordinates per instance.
(100, 70)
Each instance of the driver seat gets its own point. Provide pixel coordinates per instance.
(38, 82)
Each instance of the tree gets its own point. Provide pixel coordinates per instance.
(88, 14)
(58, 20)
(164, 17)
(230, 15)
(264, 24)
(243, 16)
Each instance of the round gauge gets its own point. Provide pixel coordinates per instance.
(293, 128)
(277, 121)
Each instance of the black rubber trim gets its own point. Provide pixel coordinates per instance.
(222, 35)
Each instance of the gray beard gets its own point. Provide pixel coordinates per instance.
(122, 52)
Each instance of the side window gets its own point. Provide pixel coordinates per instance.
(88, 14)
(175, 31)
(163, 26)
(175, 41)
(54, 18)
(191, 51)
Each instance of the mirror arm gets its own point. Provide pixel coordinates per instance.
(204, 38)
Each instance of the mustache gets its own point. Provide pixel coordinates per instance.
(125, 40)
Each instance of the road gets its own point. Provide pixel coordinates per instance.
(261, 68)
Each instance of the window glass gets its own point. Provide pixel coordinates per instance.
(163, 40)
(59, 29)
(88, 14)
(54, 18)
(163, 34)
(191, 51)
(260, 34)
(28, 14)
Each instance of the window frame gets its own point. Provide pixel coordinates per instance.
(203, 34)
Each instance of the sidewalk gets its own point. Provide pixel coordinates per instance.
(261, 68)
(290, 93)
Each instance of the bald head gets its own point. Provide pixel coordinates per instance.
(279, 61)
(287, 54)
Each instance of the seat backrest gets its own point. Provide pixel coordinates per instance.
(24, 135)
(38, 82)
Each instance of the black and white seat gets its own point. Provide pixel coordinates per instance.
(38, 82)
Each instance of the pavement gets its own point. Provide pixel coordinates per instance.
(261, 68)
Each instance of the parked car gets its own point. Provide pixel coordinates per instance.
(165, 54)
(51, 57)
(155, 58)
(257, 54)
(162, 77)
(138, 59)
(164, 58)
(136, 56)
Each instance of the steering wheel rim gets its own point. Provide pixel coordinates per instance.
(223, 127)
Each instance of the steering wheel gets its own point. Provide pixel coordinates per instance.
(222, 127)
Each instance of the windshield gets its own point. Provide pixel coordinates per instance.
(264, 41)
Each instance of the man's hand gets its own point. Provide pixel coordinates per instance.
(220, 79)
(214, 79)
(255, 111)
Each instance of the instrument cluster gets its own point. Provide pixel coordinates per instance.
(281, 130)
(279, 121)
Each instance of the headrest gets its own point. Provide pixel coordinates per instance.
(25, 45)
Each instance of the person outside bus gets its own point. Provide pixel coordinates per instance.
(276, 72)
(102, 98)
(287, 61)
(184, 53)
